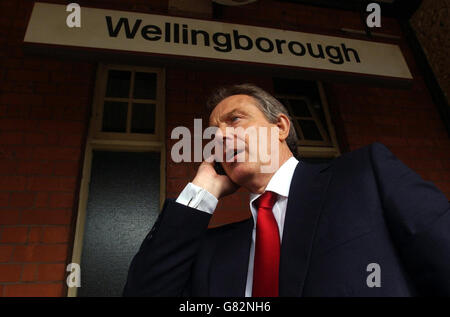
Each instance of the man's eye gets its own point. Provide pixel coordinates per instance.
(234, 119)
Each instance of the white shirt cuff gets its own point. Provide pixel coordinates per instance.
(196, 197)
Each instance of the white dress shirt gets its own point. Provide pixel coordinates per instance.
(280, 183)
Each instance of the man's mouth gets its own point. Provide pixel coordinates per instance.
(232, 155)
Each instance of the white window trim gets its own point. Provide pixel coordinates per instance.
(116, 142)
(318, 149)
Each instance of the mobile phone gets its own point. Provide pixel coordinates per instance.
(219, 169)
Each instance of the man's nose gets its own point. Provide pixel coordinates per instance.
(223, 133)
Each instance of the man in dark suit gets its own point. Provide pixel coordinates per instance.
(362, 225)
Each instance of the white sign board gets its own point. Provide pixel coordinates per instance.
(176, 36)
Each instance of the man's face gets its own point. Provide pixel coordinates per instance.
(241, 113)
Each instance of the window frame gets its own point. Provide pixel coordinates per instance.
(328, 148)
(100, 98)
(112, 141)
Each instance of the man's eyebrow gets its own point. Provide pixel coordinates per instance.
(227, 115)
(230, 113)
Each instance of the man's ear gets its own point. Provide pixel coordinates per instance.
(283, 125)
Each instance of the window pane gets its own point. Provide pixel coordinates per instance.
(144, 86)
(299, 108)
(310, 130)
(319, 110)
(118, 84)
(115, 116)
(143, 120)
(123, 205)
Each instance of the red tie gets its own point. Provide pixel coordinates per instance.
(267, 249)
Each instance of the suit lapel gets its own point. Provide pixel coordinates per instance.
(228, 276)
(308, 186)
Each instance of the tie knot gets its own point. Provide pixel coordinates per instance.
(267, 200)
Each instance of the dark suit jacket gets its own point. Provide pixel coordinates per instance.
(364, 207)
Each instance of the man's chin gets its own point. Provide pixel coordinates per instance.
(240, 172)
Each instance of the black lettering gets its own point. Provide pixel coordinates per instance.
(291, 48)
(122, 21)
(278, 43)
(222, 46)
(310, 50)
(194, 37)
(261, 48)
(185, 34)
(237, 41)
(176, 33)
(167, 32)
(149, 30)
(335, 54)
(347, 57)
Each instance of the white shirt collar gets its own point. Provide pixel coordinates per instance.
(280, 182)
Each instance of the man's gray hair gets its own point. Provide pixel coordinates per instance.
(268, 105)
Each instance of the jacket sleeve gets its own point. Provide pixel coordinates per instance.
(418, 217)
(162, 266)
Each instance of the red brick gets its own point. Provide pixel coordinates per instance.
(11, 138)
(10, 272)
(41, 112)
(176, 185)
(46, 217)
(177, 170)
(17, 111)
(6, 252)
(40, 253)
(9, 216)
(56, 234)
(4, 199)
(56, 153)
(18, 152)
(37, 63)
(21, 99)
(58, 77)
(75, 140)
(67, 168)
(42, 199)
(61, 200)
(33, 290)
(21, 199)
(45, 88)
(35, 234)
(12, 182)
(8, 167)
(20, 125)
(51, 272)
(41, 183)
(29, 272)
(34, 168)
(27, 75)
(35, 139)
(14, 235)
(52, 126)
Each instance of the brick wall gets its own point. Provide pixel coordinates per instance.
(44, 110)
(44, 106)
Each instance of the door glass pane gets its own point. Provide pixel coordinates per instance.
(143, 119)
(115, 116)
(144, 86)
(122, 207)
(299, 108)
(118, 84)
(310, 130)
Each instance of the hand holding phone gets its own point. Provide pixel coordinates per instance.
(219, 168)
(212, 177)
